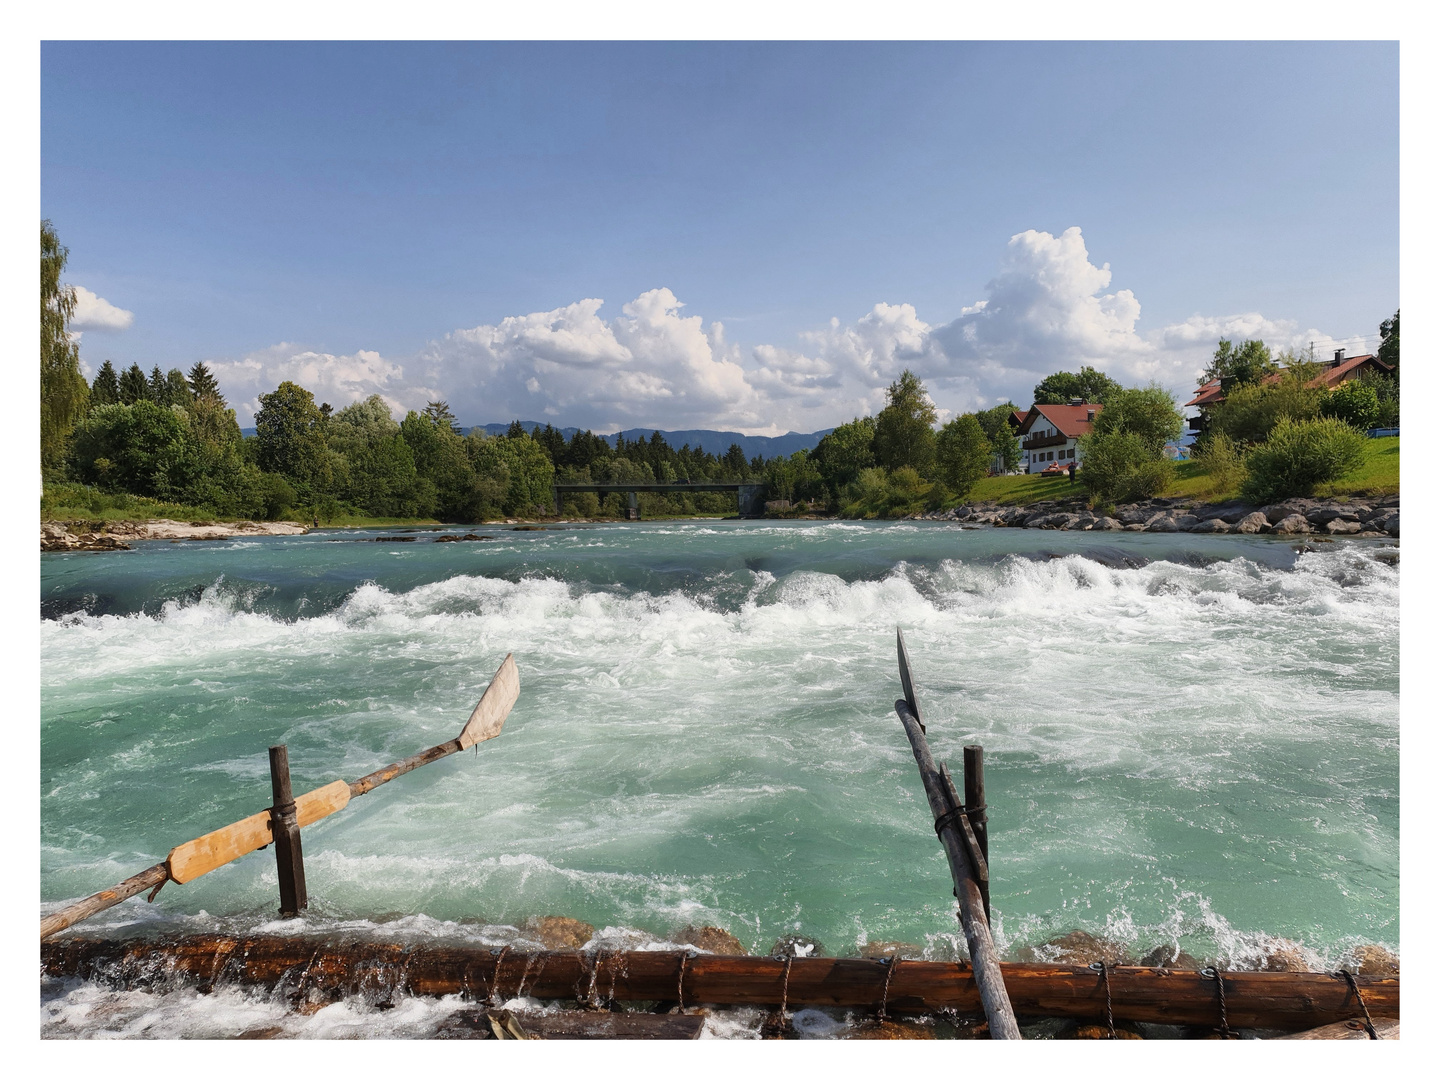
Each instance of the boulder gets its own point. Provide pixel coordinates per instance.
(1291, 525)
(889, 1029)
(712, 939)
(1133, 528)
(1373, 960)
(1213, 525)
(1280, 511)
(1108, 524)
(1253, 522)
(1162, 522)
(1076, 947)
(1134, 515)
(1285, 955)
(1341, 527)
(1171, 957)
(888, 950)
(557, 932)
(1323, 515)
(1099, 1031)
(797, 945)
(1388, 522)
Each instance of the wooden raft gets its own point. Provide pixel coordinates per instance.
(1254, 999)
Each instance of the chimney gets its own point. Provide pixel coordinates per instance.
(1077, 401)
(1339, 355)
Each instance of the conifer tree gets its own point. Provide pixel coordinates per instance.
(177, 387)
(105, 390)
(159, 388)
(516, 430)
(64, 397)
(133, 386)
(203, 384)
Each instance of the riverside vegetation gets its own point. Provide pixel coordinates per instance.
(129, 445)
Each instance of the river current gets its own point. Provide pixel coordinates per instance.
(1189, 740)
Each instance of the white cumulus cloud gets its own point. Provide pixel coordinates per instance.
(1048, 308)
(96, 313)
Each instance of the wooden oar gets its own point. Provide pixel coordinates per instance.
(203, 854)
(967, 865)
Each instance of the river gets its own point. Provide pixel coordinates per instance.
(1189, 740)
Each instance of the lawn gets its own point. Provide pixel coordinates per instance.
(76, 502)
(1379, 475)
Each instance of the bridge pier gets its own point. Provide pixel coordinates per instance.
(633, 513)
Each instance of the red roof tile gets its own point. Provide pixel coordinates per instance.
(1071, 421)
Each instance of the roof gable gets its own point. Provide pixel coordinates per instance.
(1072, 421)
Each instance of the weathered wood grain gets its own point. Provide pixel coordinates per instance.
(1288, 1001)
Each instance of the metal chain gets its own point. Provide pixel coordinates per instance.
(1369, 1024)
(1099, 965)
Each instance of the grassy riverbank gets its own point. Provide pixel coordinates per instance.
(1380, 475)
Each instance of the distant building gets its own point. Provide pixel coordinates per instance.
(1332, 373)
(1051, 433)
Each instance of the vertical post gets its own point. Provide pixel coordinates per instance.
(556, 490)
(634, 507)
(285, 829)
(975, 811)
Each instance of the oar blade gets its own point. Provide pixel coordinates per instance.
(499, 698)
(905, 681)
(206, 853)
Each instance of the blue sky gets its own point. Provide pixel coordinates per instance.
(775, 230)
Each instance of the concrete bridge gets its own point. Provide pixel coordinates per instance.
(751, 496)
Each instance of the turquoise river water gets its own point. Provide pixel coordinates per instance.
(1189, 740)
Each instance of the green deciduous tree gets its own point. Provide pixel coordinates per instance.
(1389, 350)
(1004, 444)
(904, 429)
(1088, 384)
(1250, 411)
(1354, 403)
(527, 472)
(64, 395)
(1250, 363)
(1147, 412)
(962, 454)
(136, 448)
(842, 453)
(289, 440)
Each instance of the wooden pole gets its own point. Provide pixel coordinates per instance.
(285, 827)
(56, 921)
(331, 969)
(967, 890)
(975, 811)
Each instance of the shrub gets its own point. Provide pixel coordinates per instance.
(1249, 413)
(875, 494)
(1120, 467)
(1353, 403)
(1223, 462)
(1298, 456)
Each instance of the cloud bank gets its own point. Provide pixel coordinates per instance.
(96, 313)
(1048, 308)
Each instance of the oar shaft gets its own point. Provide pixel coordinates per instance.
(108, 898)
(400, 768)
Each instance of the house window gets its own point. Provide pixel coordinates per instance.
(1070, 453)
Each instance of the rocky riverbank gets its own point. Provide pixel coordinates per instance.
(114, 535)
(1365, 519)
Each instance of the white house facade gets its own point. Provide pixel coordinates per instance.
(1050, 434)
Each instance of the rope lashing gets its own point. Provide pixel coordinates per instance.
(1224, 1028)
(1099, 965)
(680, 982)
(1369, 1024)
(890, 965)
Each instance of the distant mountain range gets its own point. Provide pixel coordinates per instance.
(713, 442)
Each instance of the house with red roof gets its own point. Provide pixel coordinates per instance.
(1334, 372)
(1049, 434)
